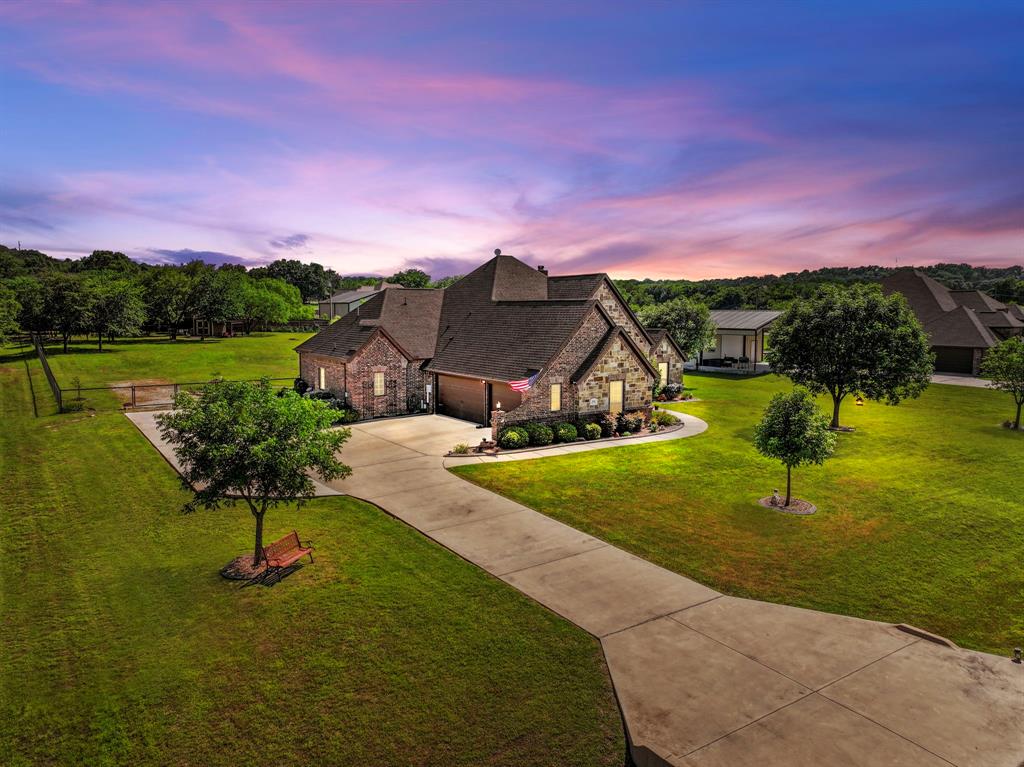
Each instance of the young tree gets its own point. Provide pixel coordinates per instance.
(1003, 365)
(10, 310)
(115, 306)
(243, 441)
(688, 322)
(795, 432)
(852, 340)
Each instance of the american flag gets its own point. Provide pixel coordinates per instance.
(525, 383)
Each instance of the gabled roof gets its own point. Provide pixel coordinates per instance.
(598, 351)
(743, 319)
(658, 335)
(348, 296)
(1016, 310)
(926, 297)
(1002, 320)
(575, 285)
(408, 317)
(960, 327)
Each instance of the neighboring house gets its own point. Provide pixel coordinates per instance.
(668, 356)
(216, 328)
(341, 304)
(739, 338)
(961, 324)
(470, 349)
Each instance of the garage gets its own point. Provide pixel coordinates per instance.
(464, 398)
(954, 359)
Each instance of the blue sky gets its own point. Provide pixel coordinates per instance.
(662, 140)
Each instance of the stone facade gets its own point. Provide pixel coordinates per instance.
(618, 363)
(536, 404)
(666, 352)
(621, 315)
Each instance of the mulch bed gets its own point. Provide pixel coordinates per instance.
(796, 506)
(240, 569)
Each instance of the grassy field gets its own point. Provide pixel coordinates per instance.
(122, 645)
(157, 359)
(920, 511)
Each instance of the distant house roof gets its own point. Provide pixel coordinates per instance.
(976, 300)
(960, 327)
(750, 320)
(926, 297)
(348, 296)
(408, 317)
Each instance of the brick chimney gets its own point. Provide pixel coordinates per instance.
(542, 269)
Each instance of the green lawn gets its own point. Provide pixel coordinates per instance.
(920, 511)
(122, 645)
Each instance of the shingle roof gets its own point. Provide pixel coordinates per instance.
(926, 297)
(976, 300)
(1016, 310)
(408, 317)
(574, 285)
(960, 327)
(348, 296)
(743, 319)
(1002, 320)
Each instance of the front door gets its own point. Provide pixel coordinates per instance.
(615, 396)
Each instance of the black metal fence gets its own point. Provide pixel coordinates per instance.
(124, 396)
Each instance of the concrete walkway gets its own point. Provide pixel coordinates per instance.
(706, 680)
(959, 379)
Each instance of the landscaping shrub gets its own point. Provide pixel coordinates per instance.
(662, 418)
(513, 437)
(539, 434)
(609, 424)
(300, 385)
(460, 449)
(629, 422)
(565, 432)
(671, 391)
(592, 431)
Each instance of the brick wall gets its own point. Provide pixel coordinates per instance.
(618, 363)
(379, 355)
(536, 405)
(334, 371)
(666, 352)
(621, 315)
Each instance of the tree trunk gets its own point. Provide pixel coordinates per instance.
(836, 402)
(99, 337)
(1016, 423)
(789, 484)
(66, 339)
(257, 554)
(174, 333)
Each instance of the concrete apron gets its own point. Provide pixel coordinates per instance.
(702, 679)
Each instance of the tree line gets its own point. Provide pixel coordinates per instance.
(106, 294)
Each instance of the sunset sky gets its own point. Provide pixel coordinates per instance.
(646, 140)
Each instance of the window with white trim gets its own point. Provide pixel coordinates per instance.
(556, 396)
(378, 384)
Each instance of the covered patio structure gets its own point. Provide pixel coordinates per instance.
(739, 340)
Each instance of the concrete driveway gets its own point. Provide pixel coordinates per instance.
(704, 680)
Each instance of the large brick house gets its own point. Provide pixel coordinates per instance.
(457, 350)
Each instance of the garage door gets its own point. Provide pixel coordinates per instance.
(462, 398)
(949, 359)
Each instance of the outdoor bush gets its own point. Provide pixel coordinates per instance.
(300, 385)
(592, 431)
(460, 449)
(609, 424)
(539, 434)
(513, 437)
(565, 432)
(74, 405)
(672, 390)
(662, 418)
(629, 422)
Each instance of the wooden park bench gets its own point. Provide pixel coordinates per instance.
(286, 551)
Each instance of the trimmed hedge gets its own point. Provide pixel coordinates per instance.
(565, 432)
(513, 437)
(592, 431)
(539, 434)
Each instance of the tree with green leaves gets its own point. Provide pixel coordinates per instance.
(10, 310)
(795, 432)
(239, 441)
(411, 278)
(688, 322)
(172, 296)
(852, 341)
(1003, 366)
(115, 306)
(66, 305)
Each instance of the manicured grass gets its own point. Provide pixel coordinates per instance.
(122, 645)
(919, 521)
